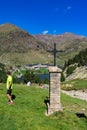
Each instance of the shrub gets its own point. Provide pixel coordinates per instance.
(70, 70)
(62, 77)
(30, 76)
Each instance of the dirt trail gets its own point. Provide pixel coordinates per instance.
(76, 94)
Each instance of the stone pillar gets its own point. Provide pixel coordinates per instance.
(54, 90)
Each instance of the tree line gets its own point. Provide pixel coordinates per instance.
(29, 75)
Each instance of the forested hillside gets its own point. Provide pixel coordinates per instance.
(76, 68)
(80, 59)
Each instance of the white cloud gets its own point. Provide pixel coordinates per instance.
(45, 32)
(54, 31)
(69, 8)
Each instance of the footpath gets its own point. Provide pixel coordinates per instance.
(76, 94)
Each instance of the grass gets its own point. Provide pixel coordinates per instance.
(80, 84)
(32, 56)
(28, 111)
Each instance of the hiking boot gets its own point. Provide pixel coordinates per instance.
(10, 103)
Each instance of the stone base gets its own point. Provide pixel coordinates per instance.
(51, 109)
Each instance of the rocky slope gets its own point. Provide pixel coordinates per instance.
(79, 73)
(66, 41)
(14, 39)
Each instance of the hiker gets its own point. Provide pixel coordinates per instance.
(9, 86)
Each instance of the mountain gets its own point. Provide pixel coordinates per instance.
(66, 41)
(14, 39)
(70, 43)
(20, 47)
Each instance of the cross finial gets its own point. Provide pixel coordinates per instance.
(54, 53)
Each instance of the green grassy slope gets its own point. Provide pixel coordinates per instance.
(79, 84)
(28, 111)
(30, 57)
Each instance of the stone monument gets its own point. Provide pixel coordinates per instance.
(54, 104)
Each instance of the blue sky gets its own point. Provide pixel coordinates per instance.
(46, 16)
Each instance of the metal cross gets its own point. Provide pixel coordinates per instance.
(54, 53)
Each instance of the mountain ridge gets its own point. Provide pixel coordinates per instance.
(16, 40)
